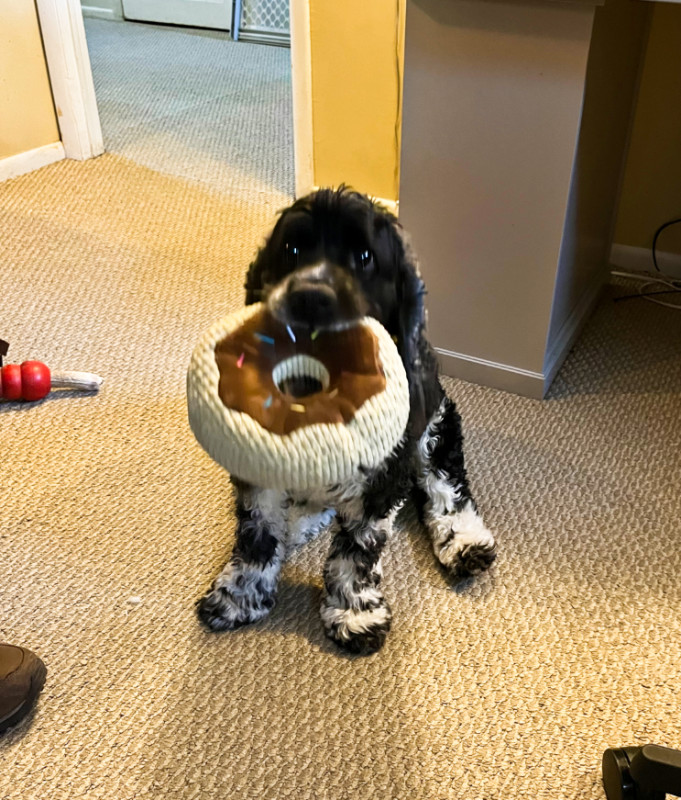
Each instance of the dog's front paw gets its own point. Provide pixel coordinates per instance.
(462, 543)
(472, 560)
(222, 610)
(359, 631)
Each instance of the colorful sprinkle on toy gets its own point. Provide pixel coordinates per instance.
(240, 360)
(314, 335)
(298, 407)
(268, 402)
(290, 333)
(263, 338)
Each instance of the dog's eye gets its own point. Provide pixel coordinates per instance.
(292, 255)
(365, 260)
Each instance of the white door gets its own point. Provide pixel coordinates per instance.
(193, 13)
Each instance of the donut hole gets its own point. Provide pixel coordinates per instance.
(301, 376)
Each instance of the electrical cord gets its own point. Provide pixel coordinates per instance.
(674, 287)
(657, 236)
(673, 284)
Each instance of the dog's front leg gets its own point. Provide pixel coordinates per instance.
(461, 540)
(355, 613)
(245, 590)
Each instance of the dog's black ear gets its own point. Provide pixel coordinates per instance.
(256, 278)
(420, 361)
(261, 272)
(411, 311)
(269, 266)
(411, 342)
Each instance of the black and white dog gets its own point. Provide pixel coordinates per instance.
(332, 258)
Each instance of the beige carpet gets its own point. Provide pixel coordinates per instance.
(509, 687)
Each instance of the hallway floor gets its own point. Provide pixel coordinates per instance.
(195, 105)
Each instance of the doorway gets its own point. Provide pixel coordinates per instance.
(193, 103)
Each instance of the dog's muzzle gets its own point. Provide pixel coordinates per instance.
(321, 297)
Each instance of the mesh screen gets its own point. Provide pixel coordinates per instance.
(265, 15)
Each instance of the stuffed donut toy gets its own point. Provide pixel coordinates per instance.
(296, 411)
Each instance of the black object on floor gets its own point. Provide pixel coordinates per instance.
(22, 677)
(641, 773)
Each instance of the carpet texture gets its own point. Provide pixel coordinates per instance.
(195, 104)
(113, 522)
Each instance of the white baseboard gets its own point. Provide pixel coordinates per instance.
(562, 343)
(491, 373)
(640, 259)
(100, 13)
(13, 166)
(515, 379)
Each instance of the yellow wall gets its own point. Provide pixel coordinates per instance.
(651, 190)
(27, 118)
(356, 59)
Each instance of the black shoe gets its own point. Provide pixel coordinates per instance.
(22, 676)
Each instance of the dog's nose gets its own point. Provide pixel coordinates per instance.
(311, 302)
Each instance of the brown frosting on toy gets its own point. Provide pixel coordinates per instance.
(246, 361)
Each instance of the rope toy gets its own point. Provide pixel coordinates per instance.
(293, 410)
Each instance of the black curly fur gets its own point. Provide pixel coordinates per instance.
(351, 256)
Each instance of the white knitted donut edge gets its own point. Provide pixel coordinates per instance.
(309, 457)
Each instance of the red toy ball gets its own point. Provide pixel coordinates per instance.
(10, 382)
(36, 380)
(29, 381)
(33, 380)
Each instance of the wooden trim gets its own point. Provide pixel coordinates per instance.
(490, 373)
(640, 259)
(567, 335)
(68, 63)
(301, 80)
(12, 166)
(522, 381)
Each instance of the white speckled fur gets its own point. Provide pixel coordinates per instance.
(452, 519)
(348, 622)
(303, 525)
(469, 530)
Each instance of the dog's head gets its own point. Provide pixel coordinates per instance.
(334, 257)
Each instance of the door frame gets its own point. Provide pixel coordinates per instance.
(301, 86)
(73, 90)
